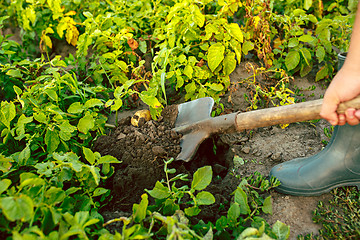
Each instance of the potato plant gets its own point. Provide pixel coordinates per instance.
(52, 109)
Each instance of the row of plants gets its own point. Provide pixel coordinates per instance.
(52, 109)
(188, 46)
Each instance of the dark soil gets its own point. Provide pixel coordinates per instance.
(143, 151)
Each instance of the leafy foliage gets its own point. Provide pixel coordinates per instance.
(339, 217)
(52, 108)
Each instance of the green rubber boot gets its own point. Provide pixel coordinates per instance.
(338, 164)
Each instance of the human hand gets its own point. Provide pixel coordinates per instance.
(345, 86)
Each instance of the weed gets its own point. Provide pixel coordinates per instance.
(340, 217)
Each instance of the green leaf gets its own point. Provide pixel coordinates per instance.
(86, 123)
(179, 82)
(320, 53)
(88, 14)
(306, 55)
(7, 113)
(45, 168)
(75, 107)
(197, 15)
(267, 206)
(306, 38)
(249, 233)
(89, 155)
(247, 46)
(192, 211)
(100, 191)
(159, 191)
(139, 210)
(322, 73)
(305, 69)
(241, 199)
(307, 4)
(188, 71)
(108, 159)
(122, 65)
(52, 94)
(233, 212)
(142, 46)
(25, 154)
(95, 173)
(205, 198)
(293, 42)
(221, 223)
(215, 86)
(67, 127)
(17, 208)
(292, 60)
(162, 83)
(117, 104)
(17, 90)
(281, 230)
(14, 73)
(54, 195)
(52, 140)
(202, 178)
(170, 206)
(152, 101)
(40, 117)
(94, 102)
(4, 184)
(215, 55)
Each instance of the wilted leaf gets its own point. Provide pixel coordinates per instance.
(133, 44)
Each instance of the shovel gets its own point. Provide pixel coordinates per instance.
(195, 123)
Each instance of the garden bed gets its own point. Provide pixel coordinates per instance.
(259, 150)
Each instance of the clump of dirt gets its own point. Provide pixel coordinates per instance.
(141, 151)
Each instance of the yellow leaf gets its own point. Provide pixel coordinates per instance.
(61, 27)
(70, 13)
(72, 35)
(49, 30)
(30, 13)
(277, 42)
(47, 41)
(256, 21)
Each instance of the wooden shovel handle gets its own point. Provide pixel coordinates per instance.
(287, 114)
